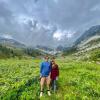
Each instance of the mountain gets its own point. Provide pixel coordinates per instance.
(9, 47)
(89, 49)
(60, 48)
(11, 42)
(89, 40)
(88, 45)
(94, 30)
(45, 48)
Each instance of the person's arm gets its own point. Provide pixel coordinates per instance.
(41, 67)
(57, 70)
(50, 68)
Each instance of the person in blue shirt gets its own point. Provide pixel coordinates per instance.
(45, 72)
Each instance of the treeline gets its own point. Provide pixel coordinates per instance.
(6, 52)
(69, 51)
(95, 54)
(32, 52)
(9, 52)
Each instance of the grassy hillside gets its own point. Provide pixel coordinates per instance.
(79, 80)
(89, 44)
(6, 52)
(91, 55)
(13, 52)
(88, 49)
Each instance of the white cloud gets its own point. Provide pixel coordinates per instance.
(60, 35)
(23, 18)
(56, 1)
(96, 8)
(69, 33)
(52, 19)
(7, 36)
(6, 1)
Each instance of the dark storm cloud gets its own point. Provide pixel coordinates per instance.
(39, 20)
(5, 17)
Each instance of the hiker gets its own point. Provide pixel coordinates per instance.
(45, 72)
(54, 75)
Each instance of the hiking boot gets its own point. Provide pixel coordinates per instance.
(41, 93)
(49, 94)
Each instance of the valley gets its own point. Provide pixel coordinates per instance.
(79, 70)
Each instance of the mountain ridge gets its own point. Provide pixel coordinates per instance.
(94, 30)
(11, 42)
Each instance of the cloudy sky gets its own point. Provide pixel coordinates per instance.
(47, 22)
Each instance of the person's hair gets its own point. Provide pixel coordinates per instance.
(53, 57)
(52, 62)
(46, 57)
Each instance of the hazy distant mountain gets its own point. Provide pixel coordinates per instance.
(61, 48)
(11, 42)
(44, 48)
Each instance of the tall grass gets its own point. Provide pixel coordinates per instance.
(19, 80)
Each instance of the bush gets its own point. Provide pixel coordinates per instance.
(95, 55)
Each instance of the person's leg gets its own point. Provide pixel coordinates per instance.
(42, 85)
(48, 80)
(54, 85)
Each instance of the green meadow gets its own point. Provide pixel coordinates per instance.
(78, 80)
